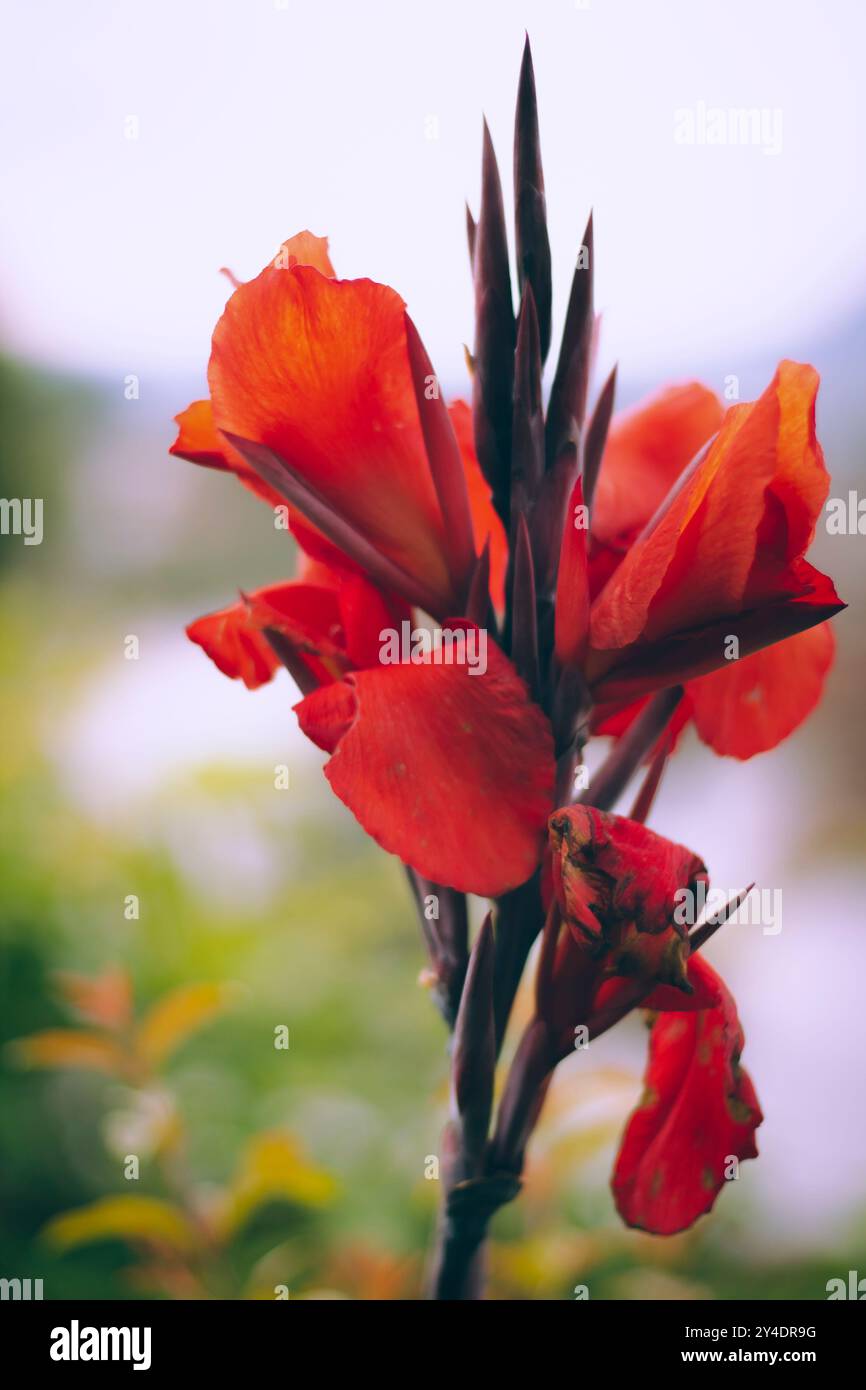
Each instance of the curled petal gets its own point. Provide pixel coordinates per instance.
(234, 646)
(729, 537)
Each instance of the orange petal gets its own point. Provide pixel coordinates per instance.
(729, 534)
(317, 371)
(199, 441)
(305, 249)
(752, 704)
(647, 450)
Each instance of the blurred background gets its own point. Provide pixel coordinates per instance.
(144, 846)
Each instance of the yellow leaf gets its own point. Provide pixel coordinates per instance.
(176, 1017)
(274, 1168)
(104, 999)
(136, 1219)
(69, 1047)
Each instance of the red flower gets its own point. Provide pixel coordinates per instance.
(677, 573)
(629, 577)
(322, 399)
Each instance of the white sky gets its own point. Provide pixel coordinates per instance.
(257, 120)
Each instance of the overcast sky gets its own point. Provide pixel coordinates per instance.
(256, 119)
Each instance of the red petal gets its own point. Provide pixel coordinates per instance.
(234, 646)
(705, 993)
(485, 520)
(756, 702)
(698, 1112)
(317, 371)
(452, 772)
(708, 991)
(365, 613)
(308, 614)
(615, 719)
(327, 715)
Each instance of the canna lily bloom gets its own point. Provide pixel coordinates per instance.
(336, 421)
(629, 575)
(611, 945)
(323, 401)
(700, 525)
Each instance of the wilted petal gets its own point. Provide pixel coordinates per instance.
(697, 1119)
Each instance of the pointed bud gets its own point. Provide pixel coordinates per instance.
(471, 230)
(549, 518)
(596, 437)
(524, 629)
(527, 434)
(479, 609)
(567, 407)
(530, 212)
(494, 336)
(701, 934)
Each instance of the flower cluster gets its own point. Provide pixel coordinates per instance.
(633, 573)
